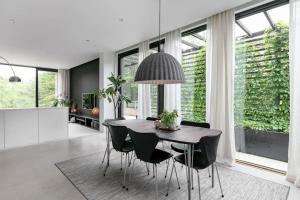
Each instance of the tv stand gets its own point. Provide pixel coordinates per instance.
(88, 121)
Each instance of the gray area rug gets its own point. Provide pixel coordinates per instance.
(85, 174)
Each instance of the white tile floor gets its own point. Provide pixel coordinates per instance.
(29, 173)
(77, 130)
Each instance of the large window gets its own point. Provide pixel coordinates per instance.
(47, 87)
(17, 94)
(261, 96)
(28, 93)
(128, 66)
(193, 64)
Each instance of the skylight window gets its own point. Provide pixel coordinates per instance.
(280, 14)
(255, 23)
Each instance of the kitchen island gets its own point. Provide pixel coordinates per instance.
(28, 126)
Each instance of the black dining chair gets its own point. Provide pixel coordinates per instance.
(203, 158)
(144, 146)
(120, 144)
(181, 148)
(105, 152)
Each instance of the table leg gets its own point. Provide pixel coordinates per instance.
(189, 162)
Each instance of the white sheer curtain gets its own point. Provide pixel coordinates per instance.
(172, 92)
(220, 68)
(63, 84)
(293, 173)
(144, 99)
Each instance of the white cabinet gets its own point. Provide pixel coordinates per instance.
(21, 127)
(52, 124)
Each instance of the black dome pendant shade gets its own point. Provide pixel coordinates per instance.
(159, 68)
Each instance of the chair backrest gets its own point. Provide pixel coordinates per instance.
(144, 144)
(152, 118)
(209, 146)
(118, 136)
(197, 124)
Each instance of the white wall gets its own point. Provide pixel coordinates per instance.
(107, 66)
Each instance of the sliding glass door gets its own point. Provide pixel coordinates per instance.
(261, 96)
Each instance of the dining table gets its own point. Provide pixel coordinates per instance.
(187, 135)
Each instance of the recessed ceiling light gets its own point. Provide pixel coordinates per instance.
(121, 19)
(13, 21)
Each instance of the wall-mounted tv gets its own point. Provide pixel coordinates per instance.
(88, 101)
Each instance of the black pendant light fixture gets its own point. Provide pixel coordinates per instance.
(159, 68)
(13, 78)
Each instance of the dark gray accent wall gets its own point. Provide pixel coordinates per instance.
(84, 79)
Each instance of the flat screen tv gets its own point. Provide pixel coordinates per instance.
(88, 101)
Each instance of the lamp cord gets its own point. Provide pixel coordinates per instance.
(8, 65)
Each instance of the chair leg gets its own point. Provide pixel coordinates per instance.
(169, 181)
(121, 161)
(148, 171)
(176, 173)
(124, 179)
(130, 174)
(156, 186)
(167, 168)
(103, 157)
(153, 170)
(208, 172)
(219, 181)
(199, 185)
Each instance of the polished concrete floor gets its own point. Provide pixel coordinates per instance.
(29, 173)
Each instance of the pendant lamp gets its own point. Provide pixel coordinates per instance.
(159, 68)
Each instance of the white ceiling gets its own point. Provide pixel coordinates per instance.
(53, 33)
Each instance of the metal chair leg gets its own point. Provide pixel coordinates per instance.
(148, 171)
(130, 174)
(103, 157)
(219, 181)
(199, 185)
(176, 173)
(121, 161)
(124, 179)
(167, 168)
(169, 181)
(156, 186)
(208, 172)
(153, 170)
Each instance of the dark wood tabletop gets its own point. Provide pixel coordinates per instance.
(186, 134)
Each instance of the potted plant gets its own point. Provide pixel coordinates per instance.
(169, 119)
(113, 93)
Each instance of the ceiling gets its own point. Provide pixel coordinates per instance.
(66, 33)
